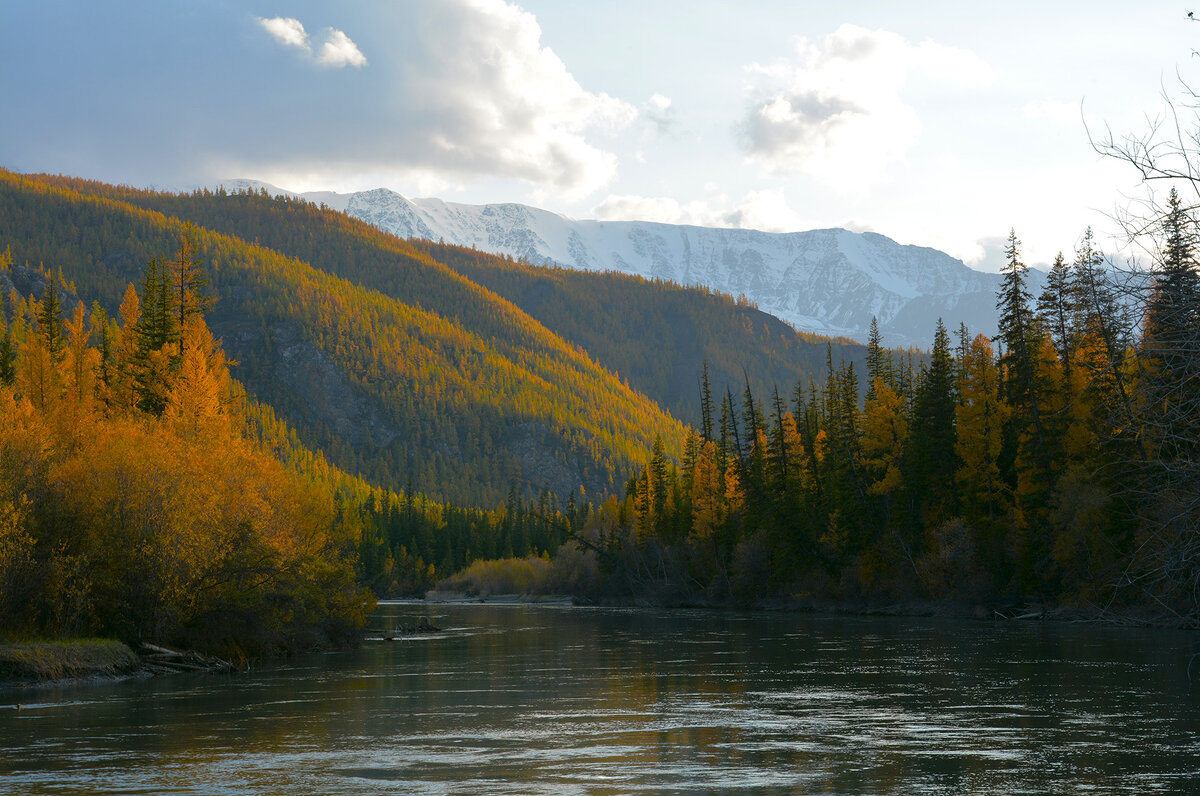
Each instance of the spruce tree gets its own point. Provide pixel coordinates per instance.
(8, 359)
(932, 436)
(879, 361)
(1055, 308)
(187, 280)
(706, 408)
(1171, 343)
(50, 322)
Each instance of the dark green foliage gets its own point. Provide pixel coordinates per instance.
(8, 359)
(1056, 307)
(50, 322)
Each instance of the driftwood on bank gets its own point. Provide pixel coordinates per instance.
(161, 660)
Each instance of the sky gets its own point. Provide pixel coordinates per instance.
(943, 124)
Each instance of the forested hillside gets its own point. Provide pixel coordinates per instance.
(436, 385)
(1055, 467)
(653, 334)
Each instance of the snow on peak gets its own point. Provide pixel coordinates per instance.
(828, 281)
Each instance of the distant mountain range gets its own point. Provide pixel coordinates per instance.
(826, 281)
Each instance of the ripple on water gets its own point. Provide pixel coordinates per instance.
(526, 700)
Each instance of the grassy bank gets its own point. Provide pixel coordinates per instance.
(55, 660)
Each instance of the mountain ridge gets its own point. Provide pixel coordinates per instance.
(825, 281)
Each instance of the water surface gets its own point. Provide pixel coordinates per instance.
(551, 699)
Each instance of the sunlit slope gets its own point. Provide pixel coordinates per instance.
(657, 333)
(437, 383)
(654, 334)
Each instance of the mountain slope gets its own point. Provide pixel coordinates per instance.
(657, 333)
(654, 334)
(450, 388)
(828, 281)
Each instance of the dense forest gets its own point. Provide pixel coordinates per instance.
(160, 483)
(1057, 466)
(400, 370)
(144, 495)
(651, 333)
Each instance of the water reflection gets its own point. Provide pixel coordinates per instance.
(540, 699)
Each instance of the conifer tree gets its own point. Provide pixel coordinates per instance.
(1056, 309)
(879, 361)
(980, 418)
(932, 437)
(187, 281)
(8, 354)
(1019, 330)
(706, 407)
(1171, 343)
(50, 322)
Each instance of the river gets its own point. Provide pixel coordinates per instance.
(559, 700)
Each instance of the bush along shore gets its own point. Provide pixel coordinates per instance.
(47, 662)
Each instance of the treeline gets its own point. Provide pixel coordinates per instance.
(1055, 465)
(132, 503)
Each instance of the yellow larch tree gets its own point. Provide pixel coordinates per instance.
(981, 415)
(884, 430)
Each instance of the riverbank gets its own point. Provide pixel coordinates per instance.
(49, 663)
(990, 612)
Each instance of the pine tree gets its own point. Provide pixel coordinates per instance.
(706, 407)
(1093, 300)
(933, 435)
(1055, 308)
(879, 362)
(8, 352)
(187, 281)
(50, 323)
(156, 322)
(157, 339)
(1171, 343)
(1020, 332)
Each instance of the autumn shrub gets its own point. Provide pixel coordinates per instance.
(530, 575)
(127, 528)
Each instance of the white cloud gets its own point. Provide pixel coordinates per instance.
(465, 90)
(287, 31)
(339, 51)
(835, 109)
(660, 112)
(766, 210)
(488, 98)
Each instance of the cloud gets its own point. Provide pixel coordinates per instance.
(660, 112)
(835, 109)
(452, 93)
(287, 31)
(337, 51)
(765, 210)
(486, 97)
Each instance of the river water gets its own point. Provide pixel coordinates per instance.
(552, 699)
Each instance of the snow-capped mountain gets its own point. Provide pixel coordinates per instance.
(828, 281)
